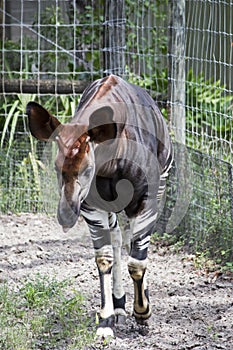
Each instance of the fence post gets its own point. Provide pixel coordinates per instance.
(176, 69)
(1, 21)
(114, 37)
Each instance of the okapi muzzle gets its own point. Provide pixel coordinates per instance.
(69, 205)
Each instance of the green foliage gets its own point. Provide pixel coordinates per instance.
(85, 38)
(146, 50)
(20, 180)
(208, 116)
(228, 266)
(42, 314)
(17, 65)
(13, 109)
(208, 224)
(57, 42)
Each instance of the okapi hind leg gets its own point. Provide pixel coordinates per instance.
(142, 308)
(119, 298)
(143, 226)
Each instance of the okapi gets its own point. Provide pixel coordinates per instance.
(114, 156)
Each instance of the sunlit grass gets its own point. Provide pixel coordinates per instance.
(43, 314)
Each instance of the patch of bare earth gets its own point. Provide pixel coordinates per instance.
(191, 310)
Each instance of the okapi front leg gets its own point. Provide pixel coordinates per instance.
(104, 261)
(98, 223)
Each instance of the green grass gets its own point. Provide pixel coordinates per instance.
(43, 314)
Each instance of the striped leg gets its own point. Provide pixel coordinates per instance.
(143, 226)
(106, 237)
(125, 225)
(104, 261)
(118, 290)
(98, 223)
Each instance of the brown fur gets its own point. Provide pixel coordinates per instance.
(107, 85)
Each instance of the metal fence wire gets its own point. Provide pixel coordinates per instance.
(180, 51)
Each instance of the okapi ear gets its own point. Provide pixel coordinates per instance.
(102, 126)
(42, 124)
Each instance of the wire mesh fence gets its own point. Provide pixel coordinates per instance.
(209, 106)
(207, 225)
(180, 51)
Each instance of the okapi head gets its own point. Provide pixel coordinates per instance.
(75, 162)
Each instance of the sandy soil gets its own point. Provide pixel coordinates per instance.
(191, 309)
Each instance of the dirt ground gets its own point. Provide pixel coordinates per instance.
(191, 309)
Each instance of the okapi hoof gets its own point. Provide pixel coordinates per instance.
(105, 332)
(142, 321)
(119, 309)
(105, 327)
(120, 318)
(142, 317)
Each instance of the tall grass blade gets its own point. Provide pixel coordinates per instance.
(13, 128)
(8, 120)
(35, 170)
